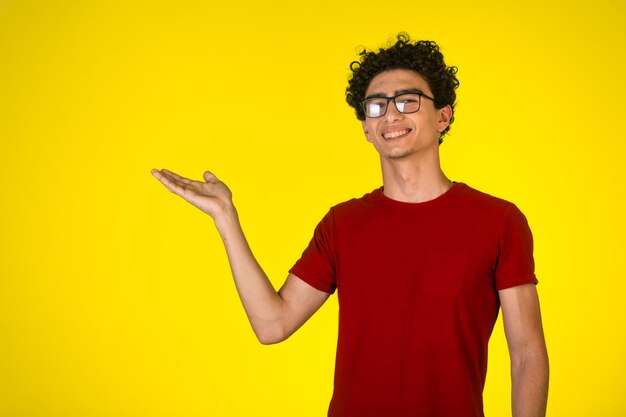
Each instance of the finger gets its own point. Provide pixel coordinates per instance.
(209, 176)
(171, 185)
(170, 173)
(160, 175)
(177, 179)
(174, 183)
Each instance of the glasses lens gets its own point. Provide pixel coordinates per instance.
(375, 107)
(408, 103)
(405, 103)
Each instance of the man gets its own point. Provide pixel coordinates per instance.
(421, 265)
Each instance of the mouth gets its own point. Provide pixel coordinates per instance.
(394, 134)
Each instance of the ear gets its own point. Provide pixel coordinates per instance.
(366, 131)
(445, 114)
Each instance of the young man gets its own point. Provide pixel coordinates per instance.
(421, 265)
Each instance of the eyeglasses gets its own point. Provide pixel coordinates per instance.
(405, 103)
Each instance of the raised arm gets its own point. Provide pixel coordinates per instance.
(529, 358)
(274, 316)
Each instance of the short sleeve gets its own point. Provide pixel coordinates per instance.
(316, 266)
(515, 265)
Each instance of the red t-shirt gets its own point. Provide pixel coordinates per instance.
(417, 287)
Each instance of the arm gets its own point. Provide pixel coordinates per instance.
(274, 316)
(527, 349)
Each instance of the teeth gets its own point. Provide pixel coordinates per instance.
(395, 134)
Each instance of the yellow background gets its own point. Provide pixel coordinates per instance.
(116, 297)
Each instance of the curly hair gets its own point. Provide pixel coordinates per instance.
(422, 57)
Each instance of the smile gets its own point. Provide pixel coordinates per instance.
(395, 134)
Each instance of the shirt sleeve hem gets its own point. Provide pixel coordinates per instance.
(519, 280)
(313, 282)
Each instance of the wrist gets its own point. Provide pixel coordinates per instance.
(226, 219)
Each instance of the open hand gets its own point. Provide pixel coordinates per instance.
(212, 196)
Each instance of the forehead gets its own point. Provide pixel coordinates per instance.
(389, 82)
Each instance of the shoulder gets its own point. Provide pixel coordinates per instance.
(487, 208)
(472, 196)
(367, 201)
(354, 211)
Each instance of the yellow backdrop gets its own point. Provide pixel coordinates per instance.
(116, 297)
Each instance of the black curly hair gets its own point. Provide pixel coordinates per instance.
(422, 57)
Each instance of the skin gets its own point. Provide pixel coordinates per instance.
(411, 172)
(527, 349)
(410, 163)
(274, 316)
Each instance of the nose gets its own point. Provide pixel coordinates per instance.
(393, 113)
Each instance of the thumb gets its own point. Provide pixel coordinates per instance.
(209, 176)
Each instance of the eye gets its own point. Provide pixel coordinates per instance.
(408, 99)
(378, 103)
(408, 103)
(375, 107)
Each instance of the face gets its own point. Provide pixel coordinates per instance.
(396, 135)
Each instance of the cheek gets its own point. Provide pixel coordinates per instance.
(367, 130)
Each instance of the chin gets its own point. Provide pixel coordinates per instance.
(399, 155)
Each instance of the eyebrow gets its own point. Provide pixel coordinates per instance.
(396, 93)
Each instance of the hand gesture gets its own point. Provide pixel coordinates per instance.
(212, 196)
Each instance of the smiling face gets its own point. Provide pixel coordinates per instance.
(399, 135)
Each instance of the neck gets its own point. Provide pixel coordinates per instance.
(407, 181)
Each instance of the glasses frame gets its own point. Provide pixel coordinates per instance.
(393, 99)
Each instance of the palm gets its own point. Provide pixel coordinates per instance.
(211, 196)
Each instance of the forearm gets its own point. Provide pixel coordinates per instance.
(530, 374)
(273, 315)
(263, 305)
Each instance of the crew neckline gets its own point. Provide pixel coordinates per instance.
(450, 193)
